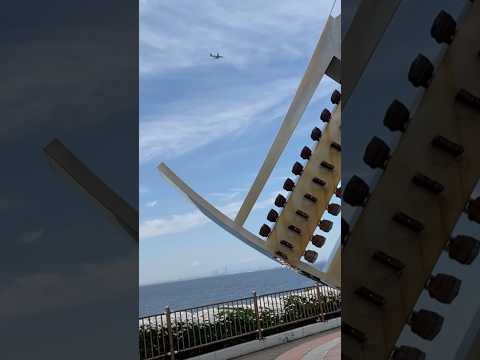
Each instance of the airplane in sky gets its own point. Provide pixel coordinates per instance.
(216, 56)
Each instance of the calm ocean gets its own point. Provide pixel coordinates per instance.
(183, 294)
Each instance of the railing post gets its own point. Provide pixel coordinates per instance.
(170, 335)
(257, 316)
(319, 297)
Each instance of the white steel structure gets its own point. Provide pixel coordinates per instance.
(325, 61)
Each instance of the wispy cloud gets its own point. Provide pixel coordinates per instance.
(181, 34)
(179, 223)
(226, 196)
(152, 203)
(32, 236)
(88, 284)
(188, 125)
(171, 224)
(176, 36)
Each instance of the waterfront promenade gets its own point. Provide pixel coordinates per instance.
(323, 346)
(231, 329)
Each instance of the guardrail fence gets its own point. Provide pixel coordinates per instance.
(188, 332)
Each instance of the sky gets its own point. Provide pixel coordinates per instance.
(213, 121)
(63, 261)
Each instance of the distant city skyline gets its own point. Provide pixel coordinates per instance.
(231, 269)
(213, 120)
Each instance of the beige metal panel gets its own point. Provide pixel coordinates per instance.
(296, 201)
(359, 43)
(475, 352)
(327, 47)
(317, 275)
(334, 266)
(437, 114)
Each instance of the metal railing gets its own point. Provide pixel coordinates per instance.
(188, 332)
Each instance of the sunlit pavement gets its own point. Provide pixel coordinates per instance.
(324, 346)
(316, 349)
(334, 353)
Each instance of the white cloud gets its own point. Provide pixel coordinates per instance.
(45, 101)
(47, 291)
(143, 190)
(226, 196)
(152, 203)
(188, 125)
(171, 224)
(179, 223)
(180, 34)
(32, 236)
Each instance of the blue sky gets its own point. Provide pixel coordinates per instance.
(213, 121)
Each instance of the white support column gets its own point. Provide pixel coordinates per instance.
(327, 47)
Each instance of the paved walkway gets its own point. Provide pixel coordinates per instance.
(324, 346)
(335, 353)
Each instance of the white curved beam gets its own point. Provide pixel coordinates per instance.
(74, 169)
(327, 48)
(236, 229)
